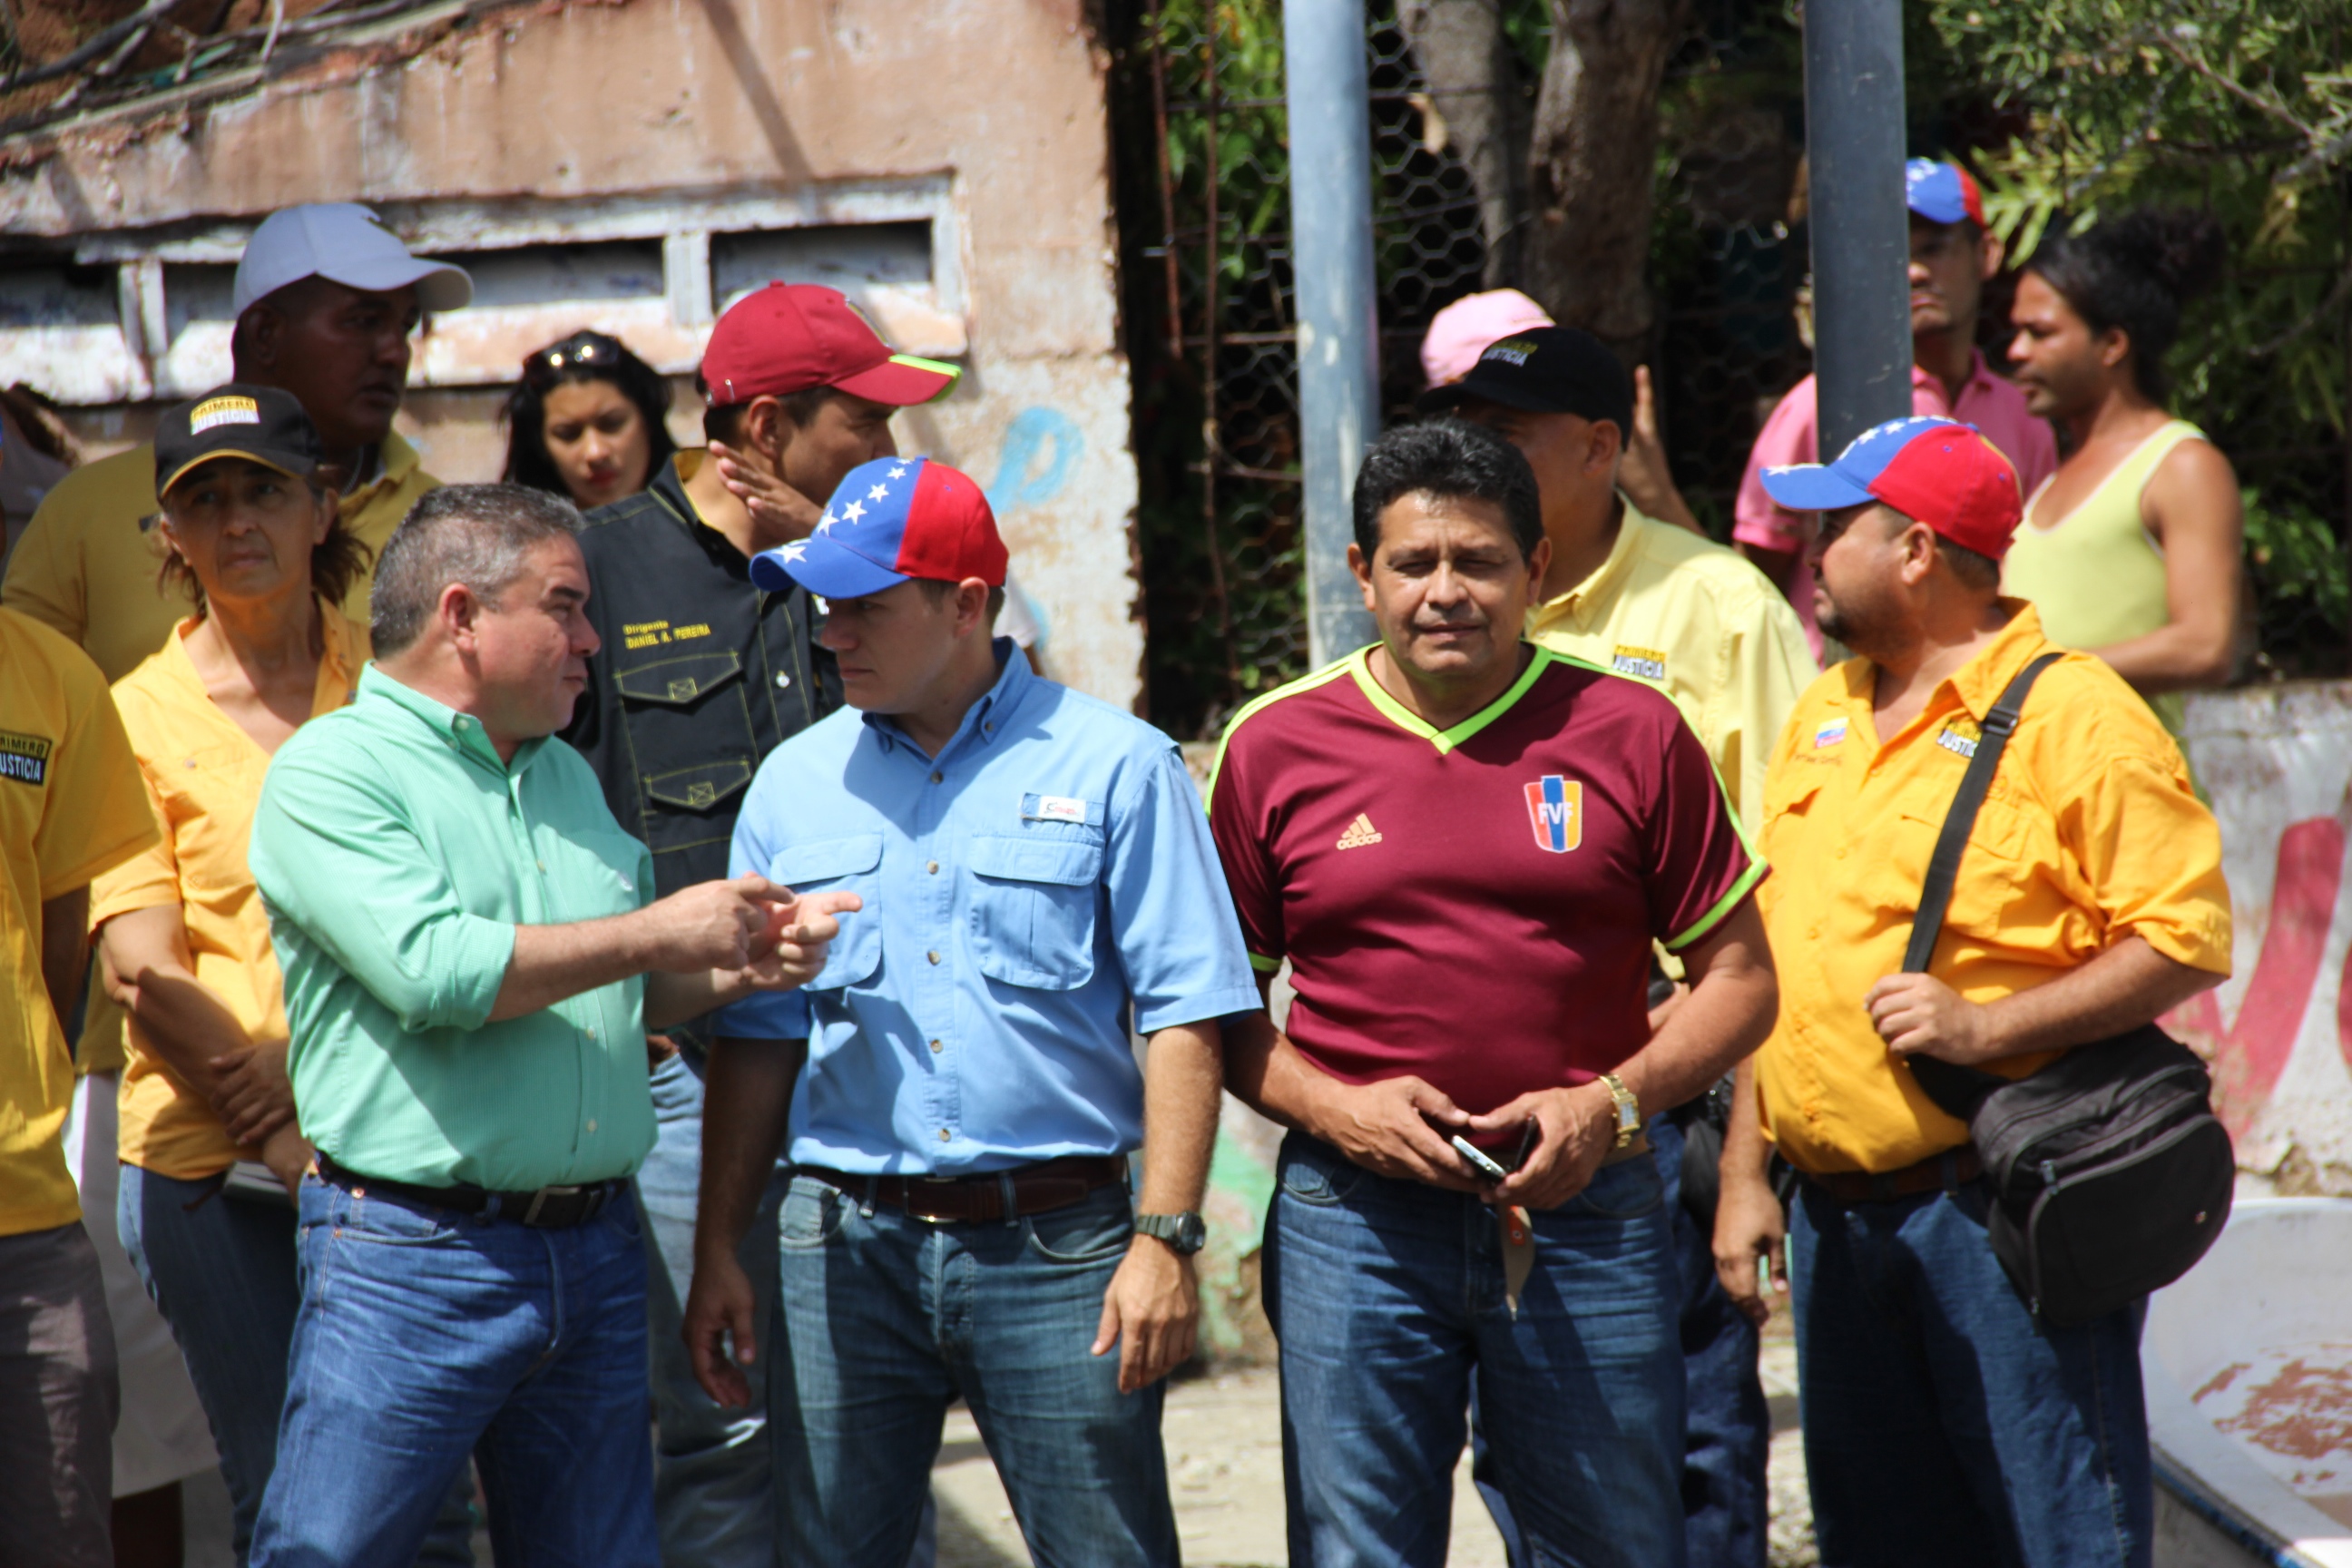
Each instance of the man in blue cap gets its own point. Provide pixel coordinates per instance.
(1953, 255)
(959, 1084)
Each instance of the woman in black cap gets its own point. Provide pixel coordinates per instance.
(586, 421)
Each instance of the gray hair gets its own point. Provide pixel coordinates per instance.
(478, 535)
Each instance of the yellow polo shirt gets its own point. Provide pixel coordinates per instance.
(1701, 624)
(87, 566)
(2090, 833)
(70, 807)
(202, 777)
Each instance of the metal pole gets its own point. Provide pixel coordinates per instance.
(1338, 328)
(1861, 230)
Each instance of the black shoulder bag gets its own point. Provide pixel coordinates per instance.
(2109, 1173)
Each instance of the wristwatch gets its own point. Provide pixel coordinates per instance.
(1185, 1234)
(1629, 1110)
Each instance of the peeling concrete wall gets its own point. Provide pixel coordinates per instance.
(2276, 762)
(999, 102)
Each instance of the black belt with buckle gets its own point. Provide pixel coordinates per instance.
(548, 1208)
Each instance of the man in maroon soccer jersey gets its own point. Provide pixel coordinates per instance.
(1463, 845)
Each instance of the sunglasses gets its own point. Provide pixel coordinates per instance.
(582, 351)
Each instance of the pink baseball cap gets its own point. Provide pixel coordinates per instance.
(1459, 334)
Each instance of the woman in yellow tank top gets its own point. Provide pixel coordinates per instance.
(2131, 550)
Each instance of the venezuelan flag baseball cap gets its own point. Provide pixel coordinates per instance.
(1936, 471)
(1942, 193)
(893, 520)
(259, 423)
(790, 337)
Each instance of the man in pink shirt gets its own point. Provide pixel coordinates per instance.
(1952, 254)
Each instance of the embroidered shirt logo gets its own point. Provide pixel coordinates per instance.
(25, 758)
(1061, 808)
(1556, 812)
(1829, 734)
(1958, 737)
(1359, 833)
(1644, 663)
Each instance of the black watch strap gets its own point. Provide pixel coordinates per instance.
(1185, 1233)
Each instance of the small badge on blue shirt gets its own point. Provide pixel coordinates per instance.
(1061, 808)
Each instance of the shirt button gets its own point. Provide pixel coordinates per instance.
(542, 865)
(592, 1124)
(936, 1047)
(933, 955)
(783, 681)
(937, 776)
(945, 1135)
(933, 868)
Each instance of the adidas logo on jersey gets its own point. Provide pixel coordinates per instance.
(1359, 833)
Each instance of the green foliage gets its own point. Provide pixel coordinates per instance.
(2239, 108)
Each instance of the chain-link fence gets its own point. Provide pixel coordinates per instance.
(1203, 172)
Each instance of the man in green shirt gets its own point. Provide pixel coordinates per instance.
(473, 955)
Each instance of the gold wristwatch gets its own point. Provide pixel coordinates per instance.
(1629, 1110)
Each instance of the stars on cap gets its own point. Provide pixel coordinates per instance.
(853, 510)
(899, 472)
(799, 547)
(825, 525)
(878, 492)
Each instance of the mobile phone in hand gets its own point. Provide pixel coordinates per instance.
(1479, 1161)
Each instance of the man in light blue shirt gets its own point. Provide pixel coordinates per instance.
(1033, 866)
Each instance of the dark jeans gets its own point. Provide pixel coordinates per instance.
(58, 1399)
(1387, 1298)
(426, 1336)
(888, 1319)
(1726, 1424)
(223, 1272)
(1944, 1424)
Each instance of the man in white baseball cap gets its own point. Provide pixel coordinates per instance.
(327, 299)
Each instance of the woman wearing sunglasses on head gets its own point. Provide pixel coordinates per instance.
(586, 421)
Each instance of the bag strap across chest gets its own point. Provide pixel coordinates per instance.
(1958, 1089)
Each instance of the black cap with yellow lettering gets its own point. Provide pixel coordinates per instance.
(259, 423)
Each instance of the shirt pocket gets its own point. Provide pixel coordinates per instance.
(1033, 908)
(689, 738)
(1994, 866)
(849, 865)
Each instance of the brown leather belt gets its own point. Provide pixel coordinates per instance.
(1040, 1188)
(1946, 1171)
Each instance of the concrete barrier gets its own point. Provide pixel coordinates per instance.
(2276, 762)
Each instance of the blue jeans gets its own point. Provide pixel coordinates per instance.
(1728, 1425)
(1387, 1298)
(713, 1494)
(222, 1272)
(888, 1319)
(1943, 1424)
(424, 1336)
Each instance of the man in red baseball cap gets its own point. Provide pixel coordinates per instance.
(1946, 1421)
(701, 675)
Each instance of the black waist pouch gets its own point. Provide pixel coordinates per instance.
(2110, 1174)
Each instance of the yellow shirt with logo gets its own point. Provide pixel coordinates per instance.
(2089, 833)
(1695, 620)
(70, 808)
(88, 566)
(202, 777)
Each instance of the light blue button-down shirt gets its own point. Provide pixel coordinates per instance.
(1049, 866)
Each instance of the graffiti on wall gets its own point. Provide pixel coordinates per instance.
(2277, 765)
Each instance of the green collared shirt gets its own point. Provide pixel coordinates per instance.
(397, 856)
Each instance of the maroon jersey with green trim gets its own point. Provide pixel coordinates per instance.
(1475, 906)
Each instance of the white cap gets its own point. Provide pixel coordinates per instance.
(343, 243)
